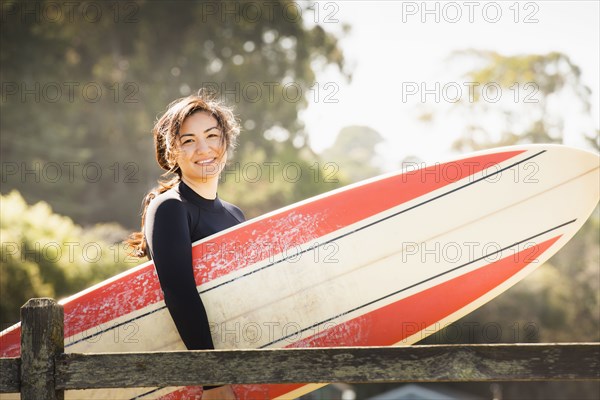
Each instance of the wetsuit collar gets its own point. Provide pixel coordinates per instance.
(200, 201)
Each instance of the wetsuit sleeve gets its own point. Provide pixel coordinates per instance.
(168, 235)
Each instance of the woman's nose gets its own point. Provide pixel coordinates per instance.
(202, 146)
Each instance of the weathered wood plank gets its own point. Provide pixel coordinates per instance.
(513, 362)
(41, 341)
(10, 375)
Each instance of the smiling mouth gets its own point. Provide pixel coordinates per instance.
(205, 162)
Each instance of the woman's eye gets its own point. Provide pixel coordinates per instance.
(187, 141)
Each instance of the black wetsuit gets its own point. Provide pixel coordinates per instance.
(174, 220)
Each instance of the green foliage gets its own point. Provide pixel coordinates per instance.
(142, 55)
(354, 152)
(529, 84)
(45, 254)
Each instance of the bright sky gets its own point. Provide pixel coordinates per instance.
(390, 48)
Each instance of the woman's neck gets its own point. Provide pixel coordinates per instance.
(206, 189)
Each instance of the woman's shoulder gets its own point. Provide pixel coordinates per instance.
(234, 210)
(169, 201)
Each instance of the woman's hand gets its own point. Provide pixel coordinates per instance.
(220, 393)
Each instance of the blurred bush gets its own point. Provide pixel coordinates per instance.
(46, 254)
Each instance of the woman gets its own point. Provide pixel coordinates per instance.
(192, 141)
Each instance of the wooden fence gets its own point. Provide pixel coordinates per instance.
(44, 371)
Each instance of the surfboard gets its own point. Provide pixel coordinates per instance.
(384, 262)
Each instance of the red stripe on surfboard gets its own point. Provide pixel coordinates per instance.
(414, 313)
(10, 342)
(336, 211)
(243, 392)
(188, 393)
(407, 316)
(240, 248)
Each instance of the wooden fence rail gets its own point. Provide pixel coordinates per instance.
(44, 370)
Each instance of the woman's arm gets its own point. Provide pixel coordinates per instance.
(168, 235)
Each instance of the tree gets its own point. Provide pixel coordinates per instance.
(83, 84)
(518, 98)
(46, 254)
(354, 152)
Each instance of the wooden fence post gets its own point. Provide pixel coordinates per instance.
(42, 339)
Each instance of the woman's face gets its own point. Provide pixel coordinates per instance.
(201, 155)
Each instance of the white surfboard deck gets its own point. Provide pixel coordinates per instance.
(386, 261)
